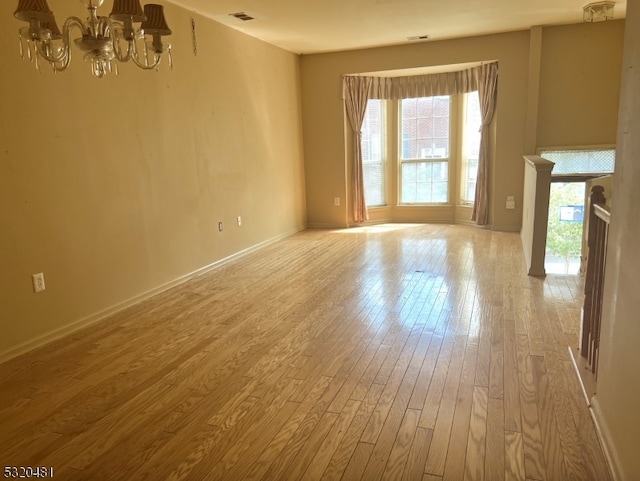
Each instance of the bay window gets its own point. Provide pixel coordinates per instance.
(432, 144)
(414, 151)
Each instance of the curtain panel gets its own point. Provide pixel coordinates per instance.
(356, 95)
(483, 78)
(487, 92)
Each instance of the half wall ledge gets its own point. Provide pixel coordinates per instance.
(535, 212)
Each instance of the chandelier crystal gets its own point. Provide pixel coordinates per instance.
(105, 41)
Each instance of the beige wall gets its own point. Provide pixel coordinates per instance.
(562, 116)
(618, 391)
(113, 187)
(580, 84)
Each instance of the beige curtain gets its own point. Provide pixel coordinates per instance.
(356, 95)
(487, 90)
(447, 83)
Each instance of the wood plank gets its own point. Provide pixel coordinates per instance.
(417, 458)
(426, 373)
(454, 468)
(553, 455)
(496, 363)
(307, 453)
(434, 395)
(446, 411)
(494, 464)
(512, 410)
(570, 440)
(396, 395)
(534, 460)
(327, 449)
(238, 460)
(401, 447)
(358, 462)
(271, 453)
(484, 347)
(388, 432)
(474, 465)
(592, 454)
(431, 477)
(351, 438)
(514, 457)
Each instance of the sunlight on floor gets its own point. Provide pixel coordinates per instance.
(375, 228)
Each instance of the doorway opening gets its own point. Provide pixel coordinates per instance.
(566, 239)
(565, 228)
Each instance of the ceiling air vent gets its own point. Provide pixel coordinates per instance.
(418, 37)
(242, 16)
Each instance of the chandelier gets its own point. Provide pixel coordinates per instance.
(105, 40)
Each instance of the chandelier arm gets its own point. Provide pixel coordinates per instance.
(118, 51)
(115, 40)
(155, 64)
(105, 27)
(69, 23)
(47, 51)
(145, 65)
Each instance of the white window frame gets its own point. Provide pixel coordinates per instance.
(402, 161)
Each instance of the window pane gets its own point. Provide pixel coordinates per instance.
(581, 161)
(439, 192)
(374, 183)
(409, 193)
(425, 128)
(410, 173)
(373, 154)
(473, 121)
(424, 182)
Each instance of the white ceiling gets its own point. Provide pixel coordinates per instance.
(312, 26)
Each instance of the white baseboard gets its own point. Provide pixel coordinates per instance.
(606, 440)
(76, 325)
(586, 384)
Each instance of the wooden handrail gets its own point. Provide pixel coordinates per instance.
(597, 240)
(603, 212)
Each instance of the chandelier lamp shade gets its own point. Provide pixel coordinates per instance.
(129, 33)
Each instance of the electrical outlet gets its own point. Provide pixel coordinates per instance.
(336, 201)
(511, 203)
(239, 221)
(38, 282)
(220, 226)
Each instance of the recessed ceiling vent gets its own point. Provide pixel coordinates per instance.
(418, 37)
(242, 16)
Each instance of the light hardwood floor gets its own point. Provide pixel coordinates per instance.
(394, 352)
